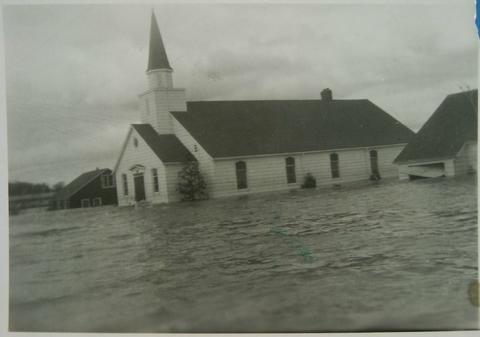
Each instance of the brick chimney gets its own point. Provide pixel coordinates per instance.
(326, 95)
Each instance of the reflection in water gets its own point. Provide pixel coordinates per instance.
(385, 256)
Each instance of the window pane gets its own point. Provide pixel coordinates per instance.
(374, 162)
(155, 180)
(291, 177)
(107, 181)
(241, 165)
(290, 168)
(334, 165)
(241, 170)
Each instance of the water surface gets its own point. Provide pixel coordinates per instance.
(378, 257)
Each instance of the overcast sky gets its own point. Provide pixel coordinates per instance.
(73, 73)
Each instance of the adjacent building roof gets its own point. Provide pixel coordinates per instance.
(245, 128)
(157, 58)
(452, 124)
(78, 183)
(167, 147)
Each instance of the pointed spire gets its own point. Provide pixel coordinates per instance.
(157, 58)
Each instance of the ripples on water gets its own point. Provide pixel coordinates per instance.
(393, 256)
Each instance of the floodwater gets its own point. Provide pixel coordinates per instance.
(378, 257)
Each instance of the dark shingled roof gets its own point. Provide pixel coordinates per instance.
(167, 147)
(442, 136)
(243, 128)
(78, 183)
(157, 58)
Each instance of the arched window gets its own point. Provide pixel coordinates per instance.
(290, 168)
(334, 165)
(374, 163)
(241, 170)
(135, 142)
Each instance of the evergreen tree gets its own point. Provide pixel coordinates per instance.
(191, 184)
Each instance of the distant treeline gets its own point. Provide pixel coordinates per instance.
(23, 188)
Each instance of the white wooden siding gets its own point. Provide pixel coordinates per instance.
(405, 170)
(160, 78)
(141, 155)
(157, 111)
(147, 105)
(205, 161)
(472, 155)
(402, 172)
(466, 159)
(269, 173)
(462, 163)
(171, 174)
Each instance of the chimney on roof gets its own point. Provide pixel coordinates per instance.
(326, 95)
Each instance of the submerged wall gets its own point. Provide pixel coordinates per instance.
(140, 155)
(268, 173)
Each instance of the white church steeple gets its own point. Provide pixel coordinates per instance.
(159, 71)
(161, 97)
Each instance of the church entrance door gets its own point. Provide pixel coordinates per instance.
(139, 187)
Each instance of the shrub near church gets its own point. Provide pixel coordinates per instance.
(191, 184)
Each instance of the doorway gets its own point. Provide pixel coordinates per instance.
(139, 187)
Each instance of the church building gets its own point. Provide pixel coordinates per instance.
(245, 147)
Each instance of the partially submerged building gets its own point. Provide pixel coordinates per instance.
(250, 146)
(446, 145)
(90, 189)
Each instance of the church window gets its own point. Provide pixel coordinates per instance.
(135, 142)
(290, 168)
(125, 184)
(334, 165)
(155, 180)
(241, 170)
(85, 203)
(374, 162)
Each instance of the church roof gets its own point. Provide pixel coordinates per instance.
(79, 183)
(452, 124)
(245, 128)
(167, 147)
(157, 58)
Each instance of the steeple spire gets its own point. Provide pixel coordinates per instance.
(157, 58)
